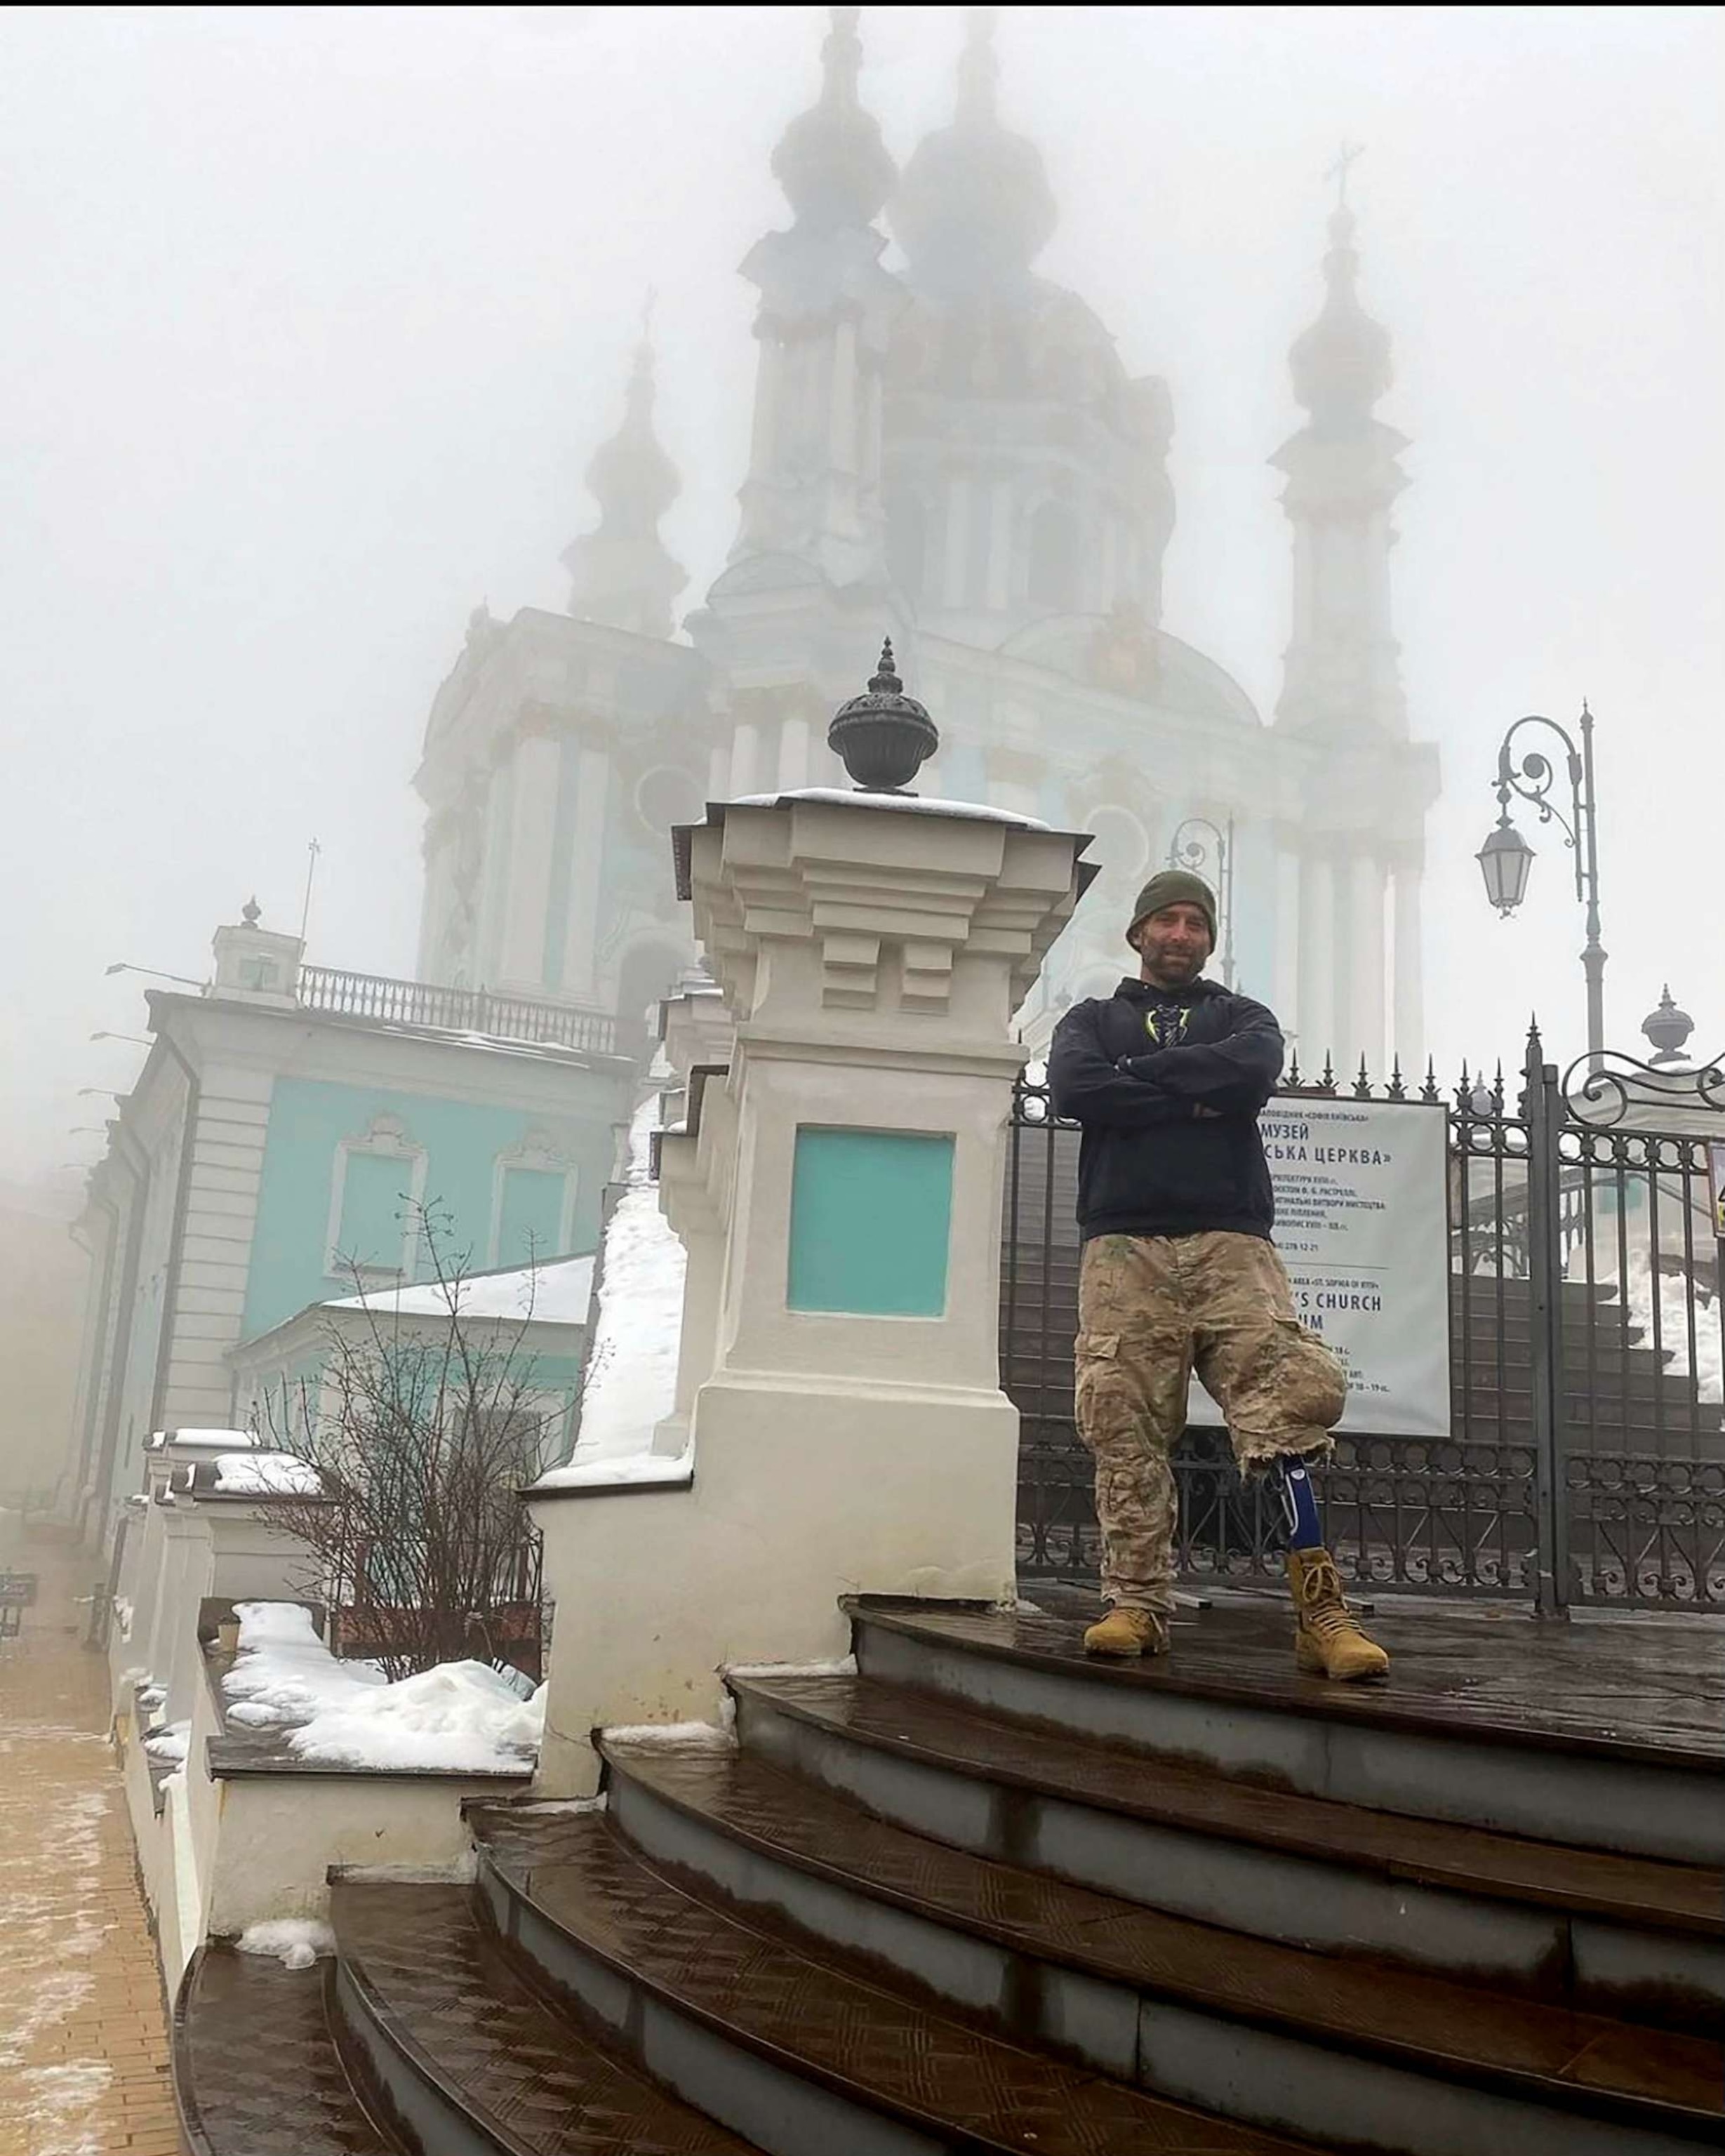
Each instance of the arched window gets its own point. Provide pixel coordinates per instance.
(1053, 578)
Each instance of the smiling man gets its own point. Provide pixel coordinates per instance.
(1167, 1076)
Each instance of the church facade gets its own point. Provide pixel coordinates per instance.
(949, 448)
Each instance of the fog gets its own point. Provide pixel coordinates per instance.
(313, 319)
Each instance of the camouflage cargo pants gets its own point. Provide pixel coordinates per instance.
(1150, 1308)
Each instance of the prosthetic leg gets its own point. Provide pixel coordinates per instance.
(1329, 1641)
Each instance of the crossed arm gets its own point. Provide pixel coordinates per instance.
(1230, 1077)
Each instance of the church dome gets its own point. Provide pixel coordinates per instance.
(831, 161)
(1341, 365)
(630, 476)
(974, 208)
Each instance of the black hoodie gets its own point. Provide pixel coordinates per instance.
(1134, 1070)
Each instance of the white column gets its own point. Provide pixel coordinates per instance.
(957, 541)
(587, 864)
(1000, 594)
(744, 752)
(1285, 989)
(521, 961)
(1365, 1016)
(1409, 1040)
(792, 755)
(1317, 964)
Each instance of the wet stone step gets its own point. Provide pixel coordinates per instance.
(753, 2026)
(454, 2039)
(723, 1814)
(256, 2069)
(1621, 1935)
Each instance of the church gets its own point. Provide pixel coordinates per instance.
(949, 448)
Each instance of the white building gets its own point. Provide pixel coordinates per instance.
(949, 449)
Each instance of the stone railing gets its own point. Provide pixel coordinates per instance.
(455, 1010)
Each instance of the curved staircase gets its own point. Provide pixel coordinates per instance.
(986, 1895)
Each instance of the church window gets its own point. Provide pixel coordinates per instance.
(530, 1208)
(379, 1178)
(667, 796)
(1053, 577)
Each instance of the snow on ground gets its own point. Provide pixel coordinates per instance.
(460, 1716)
(265, 1475)
(296, 1941)
(1674, 1294)
(554, 1292)
(631, 1379)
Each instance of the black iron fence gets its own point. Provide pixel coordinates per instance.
(456, 1010)
(1585, 1459)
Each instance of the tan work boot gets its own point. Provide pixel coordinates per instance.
(1125, 1630)
(1329, 1642)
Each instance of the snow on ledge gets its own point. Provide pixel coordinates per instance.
(906, 805)
(629, 1471)
(461, 1717)
(265, 1475)
(843, 1666)
(672, 1735)
(204, 1441)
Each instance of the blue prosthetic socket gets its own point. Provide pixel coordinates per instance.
(1292, 1485)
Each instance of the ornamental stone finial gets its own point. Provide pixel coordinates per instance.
(1668, 1029)
(883, 736)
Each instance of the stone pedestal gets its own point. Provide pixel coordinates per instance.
(838, 1190)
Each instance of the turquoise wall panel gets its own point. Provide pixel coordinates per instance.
(871, 1216)
(462, 1139)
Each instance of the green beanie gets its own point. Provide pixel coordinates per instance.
(1175, 887)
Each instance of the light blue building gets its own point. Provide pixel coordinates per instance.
(299, 1134)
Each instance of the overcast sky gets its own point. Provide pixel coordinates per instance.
(313, 317)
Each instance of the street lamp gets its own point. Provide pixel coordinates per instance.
(1193, 853)
(156, 973)
(1506, 858)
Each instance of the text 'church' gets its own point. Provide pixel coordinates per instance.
(949, 451)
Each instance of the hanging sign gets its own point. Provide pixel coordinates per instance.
(1363, 1227)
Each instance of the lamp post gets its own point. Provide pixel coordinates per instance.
(1505, 857)
(1193, 853)
(156, 973)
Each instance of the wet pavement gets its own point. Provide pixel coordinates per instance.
(83, 2057)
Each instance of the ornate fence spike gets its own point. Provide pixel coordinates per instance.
(1398, 1091)
(1428, 1090)
(1498, 1089)
(1327, 1083)
(1362, 1084)
(1294, 1069)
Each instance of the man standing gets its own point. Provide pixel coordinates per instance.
(1167, 1076)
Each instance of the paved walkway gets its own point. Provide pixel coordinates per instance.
(84, 2065)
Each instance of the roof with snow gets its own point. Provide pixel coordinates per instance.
(553, 1293)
